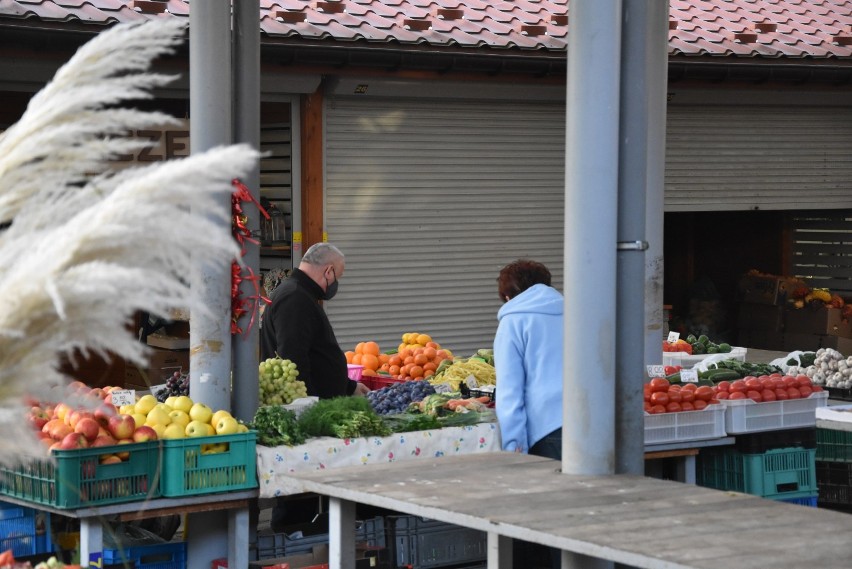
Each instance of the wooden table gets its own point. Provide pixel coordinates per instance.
(93, 518)
(637, 521)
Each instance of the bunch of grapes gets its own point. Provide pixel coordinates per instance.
(176, 385)
(279, 383)
(396, 397)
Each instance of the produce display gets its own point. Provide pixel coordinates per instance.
(829, 368)
(697, 345)
(727, 370)
(814, 298)
(661, 396)
(86, 417)
(450, 376)
(397, 397)
(276, 425)
(342, 417)
(279, 382)
(7, 561)
(417, 357)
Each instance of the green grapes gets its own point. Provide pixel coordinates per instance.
(279, 383)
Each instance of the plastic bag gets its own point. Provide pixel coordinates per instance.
(782, 362)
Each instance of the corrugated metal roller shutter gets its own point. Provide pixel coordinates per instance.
(428, 200)
(772, 158)
(822, 250)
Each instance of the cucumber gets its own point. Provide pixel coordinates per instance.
(673, 378)
(718, 375)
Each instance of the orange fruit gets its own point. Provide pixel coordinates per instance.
(433, 345)
(393, 369)
(359, 348)
(395, 360)
(422, 339)
(369, 361)
(408, 360)
(349, 356)
(429, 366)
(368, 371)
(384, 367)
(416, 371)
(356, 359)
(371, 348)
(428, 373)
(384, 358)
(430, 353)
(442, 354)
(420, 359)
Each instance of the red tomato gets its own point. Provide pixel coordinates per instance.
(767, 383)
(646, 395)
(668, 370)
(806, 391)
(675, 395)
(736, 395)
(687, 406)
(688, 395)
(657, 409)
(803, 380)
(689, 387)
(754, 396)
(659, 398)
(787, 378)
(738, 386)
(659, 384)
(789, 381)
(748, 377)
(793, 393)
(673, 407)
(647, 407)
(755, 384)
(816, 388)
(674, 388)
(713, 402)
(776, 374)
(722, 395)
(704, 393)
(699, 405)
(781, 394)
(778, 383)
(723, 386)
(768, 394)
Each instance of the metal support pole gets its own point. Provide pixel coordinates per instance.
(658, 45)
(210, 126)
(247, 130)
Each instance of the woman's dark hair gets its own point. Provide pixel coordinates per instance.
(518, 276)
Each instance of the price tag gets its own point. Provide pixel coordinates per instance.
(656, 371)
(673, 337)
(123, 397)
(689, 375)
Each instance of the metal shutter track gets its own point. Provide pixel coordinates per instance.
(428, 200)
(774, 158)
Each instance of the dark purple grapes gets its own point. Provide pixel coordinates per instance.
(177, 384)
(397, 397)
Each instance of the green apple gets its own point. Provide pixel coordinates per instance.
(196, 429)
(227, 425)
(200, 412)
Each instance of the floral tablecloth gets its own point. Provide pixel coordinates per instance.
(327, 452)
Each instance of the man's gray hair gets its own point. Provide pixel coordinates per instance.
(322, 254)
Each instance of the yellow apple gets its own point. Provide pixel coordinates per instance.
(146, 403)
(226, 425)
(196, 429)
(173, 431)
(242, 428)
(127, 409)
(161, 430)
(219, 415)
(170, 401)
(200, 412)
(180, 417)
(183, 403)
(158, 416)
(210, 429)
(139, 418)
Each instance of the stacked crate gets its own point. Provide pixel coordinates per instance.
(811, 328)
(778, 465)
(760, 317)
(834, 468)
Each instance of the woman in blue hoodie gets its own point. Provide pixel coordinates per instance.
(528, 358)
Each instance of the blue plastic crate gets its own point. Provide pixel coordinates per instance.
(25, 531)
(171, 555)
(810, 501)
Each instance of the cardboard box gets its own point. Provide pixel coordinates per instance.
(161, 365)
(769, 289)
(755, 316)
(825, 320)
(761, 339)
(813, 342)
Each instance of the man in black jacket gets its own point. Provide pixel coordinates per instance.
(295, 326)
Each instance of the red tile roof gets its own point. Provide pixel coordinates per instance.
(732, 28)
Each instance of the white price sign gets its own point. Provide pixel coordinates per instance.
(689, 375)
(656, 371)
(673, 337)
(123, 397)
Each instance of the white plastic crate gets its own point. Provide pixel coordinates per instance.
(688, 360)
(709, 423)
(746, 416)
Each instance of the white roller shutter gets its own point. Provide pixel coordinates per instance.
(758, 157)
(428, 200)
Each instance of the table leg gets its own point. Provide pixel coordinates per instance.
(91, 542)
(341, 534)
(238, 537)
(499, 551)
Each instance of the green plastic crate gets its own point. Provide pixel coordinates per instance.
(834, 446)
(76, 478)
(777, 473)
(188, 469)
(835, 483)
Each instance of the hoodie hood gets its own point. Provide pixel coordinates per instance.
(538, 299)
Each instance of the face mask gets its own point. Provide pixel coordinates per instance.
(331, 289)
